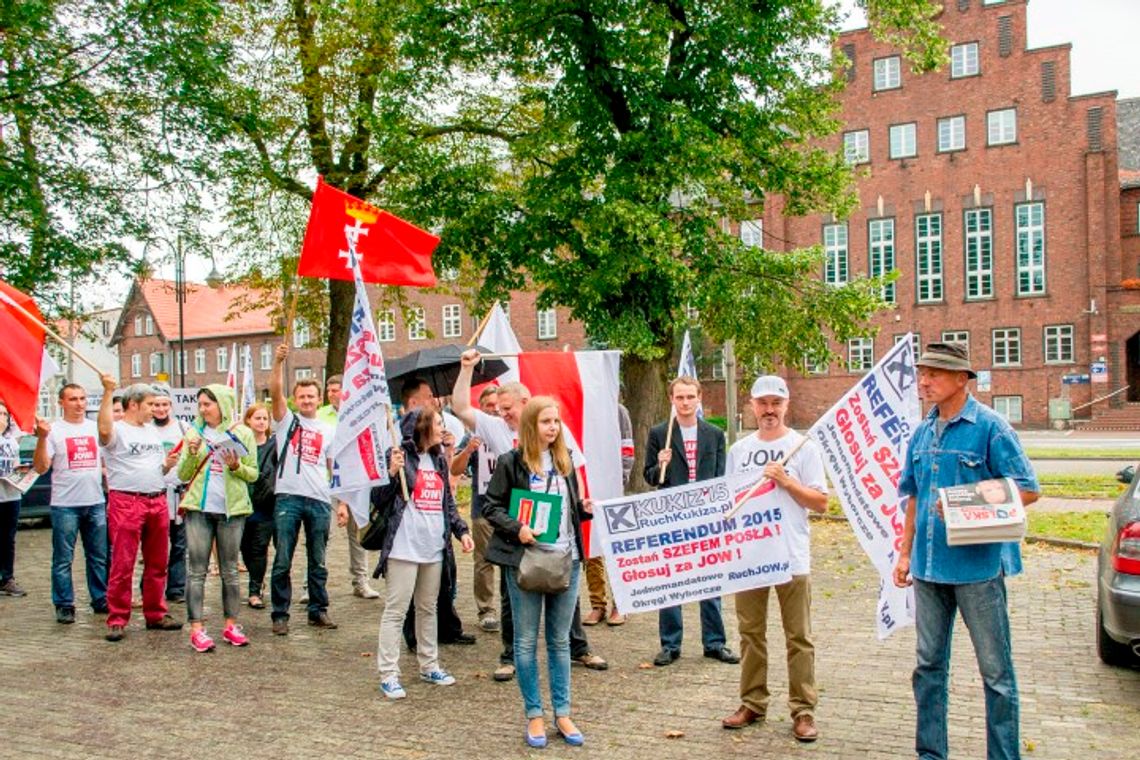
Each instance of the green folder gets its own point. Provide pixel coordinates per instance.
(541, 512)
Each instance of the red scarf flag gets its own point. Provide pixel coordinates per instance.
(391, 250)
(23, 356)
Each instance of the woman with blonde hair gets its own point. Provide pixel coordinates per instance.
(542, 462)
(258, 533)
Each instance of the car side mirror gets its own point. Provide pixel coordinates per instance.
(1127, 474)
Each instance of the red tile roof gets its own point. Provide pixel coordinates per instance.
(207, 312)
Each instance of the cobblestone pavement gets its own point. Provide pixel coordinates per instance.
(65, 692)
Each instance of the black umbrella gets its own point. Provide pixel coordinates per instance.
(439, 366)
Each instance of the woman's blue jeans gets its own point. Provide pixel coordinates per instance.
(527, 609)
(983, 607)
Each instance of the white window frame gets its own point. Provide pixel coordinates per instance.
(752, 233)
(915, 342)
(964, 60)
(1001, 126)
(138, 325)
(1060, 344)
(149, 325)
(951, 133)
(136, 365)
(302, 373)
(199, 361)
(266, 352)
(1006, 346)
(857, 146)
(897, 140)
(816, 367)
(1008, 407)
(929, 265)
(887, 73)
(156, 363)
(881, 252)
(837, 263)
(978, 242)
(417, 325)
(860, 354)
(1029, 250)
(718, 369)
(301, 334)
(180, 362)
(386, 325)
(959, 337)
(452, 320)
(221, 359)
(547, 324)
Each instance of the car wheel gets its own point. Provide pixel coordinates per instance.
(1110, 651)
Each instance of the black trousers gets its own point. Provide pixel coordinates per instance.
(259, 533)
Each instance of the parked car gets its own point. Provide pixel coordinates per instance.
(1118, 579)
(36, 503)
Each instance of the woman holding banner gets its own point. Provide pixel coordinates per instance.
(420, 526)
(218, 462)
(541, 463)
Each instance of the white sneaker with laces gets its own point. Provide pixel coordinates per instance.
(438, 677)
(390, 687)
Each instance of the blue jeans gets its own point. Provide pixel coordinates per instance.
(291, 514)
(983, 607)
(527, 609)
(67, 523)
(202, 530)
(671, 628)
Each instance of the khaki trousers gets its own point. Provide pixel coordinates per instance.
(795, 613)
(484, 570)
(596, 582)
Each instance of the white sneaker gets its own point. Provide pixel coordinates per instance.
(489, 623)
(390, 687)
(364, 591)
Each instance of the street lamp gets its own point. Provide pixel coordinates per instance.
(213, 279)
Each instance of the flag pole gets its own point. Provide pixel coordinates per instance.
(396, 442)
(668, 441)
(51, 333)
(756, 487)
(482, 326)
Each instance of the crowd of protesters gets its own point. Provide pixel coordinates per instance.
(137, 478)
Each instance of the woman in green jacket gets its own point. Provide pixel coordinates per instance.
(219, 460)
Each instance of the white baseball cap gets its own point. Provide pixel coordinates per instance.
(769, 385)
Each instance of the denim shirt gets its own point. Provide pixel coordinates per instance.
(977, 444)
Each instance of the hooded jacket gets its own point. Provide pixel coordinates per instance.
(391, 498)
(192, 470)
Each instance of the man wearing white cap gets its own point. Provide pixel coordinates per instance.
(800, 485)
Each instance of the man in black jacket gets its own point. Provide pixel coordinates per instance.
(695, 452)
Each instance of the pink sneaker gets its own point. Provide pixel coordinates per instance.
(235, 635)
(201, 641)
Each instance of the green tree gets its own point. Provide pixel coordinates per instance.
(88, 139)
(655, 121)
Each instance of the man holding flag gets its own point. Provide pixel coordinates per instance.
(695, 452)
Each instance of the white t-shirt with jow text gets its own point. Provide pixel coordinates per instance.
(420, 537)
(305, 471)
(76, 468)
(689, 439)
(134, 459)
(806, 466)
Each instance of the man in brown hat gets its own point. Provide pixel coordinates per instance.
(960, 441)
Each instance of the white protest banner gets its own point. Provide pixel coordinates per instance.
(361, 439)
(674, 545)
(863, 440)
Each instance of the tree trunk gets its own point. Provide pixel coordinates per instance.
(342, 298)
(648, 405)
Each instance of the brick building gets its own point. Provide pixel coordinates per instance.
(214, 319)
(997, 196)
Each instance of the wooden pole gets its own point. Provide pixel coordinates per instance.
(52, 334)
(752, 491)
(482, 326)
(668, 441)
(395, 434)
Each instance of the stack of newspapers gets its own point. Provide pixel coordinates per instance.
(985, 512)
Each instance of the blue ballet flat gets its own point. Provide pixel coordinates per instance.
(538, 742)
(574, 739)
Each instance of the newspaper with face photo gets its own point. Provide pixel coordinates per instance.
(983, 512)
